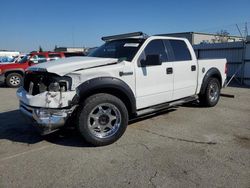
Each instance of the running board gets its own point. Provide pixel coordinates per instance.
(160, 107)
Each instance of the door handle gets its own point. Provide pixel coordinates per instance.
(193, 68)
(169, 70)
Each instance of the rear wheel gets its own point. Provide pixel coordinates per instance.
(102, 119)
(14, 80)
(212, 93)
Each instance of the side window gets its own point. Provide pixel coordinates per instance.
(155, 47)
(41, 58)
(34, 59)
(178, 50)
(38, 59)
(54, 56)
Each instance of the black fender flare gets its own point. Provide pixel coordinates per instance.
(212, 72)
(109, 85)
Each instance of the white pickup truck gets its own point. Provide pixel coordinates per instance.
(128, 76)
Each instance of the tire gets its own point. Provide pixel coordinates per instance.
(212, 93)
(102, 119)
(14, 80)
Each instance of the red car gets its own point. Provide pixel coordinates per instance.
(12, 74)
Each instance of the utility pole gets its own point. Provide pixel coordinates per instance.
(239, 30)
(246, 30)
(73, 37)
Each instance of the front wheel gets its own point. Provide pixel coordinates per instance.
(212, 93)
(102, 119)
(14, 80)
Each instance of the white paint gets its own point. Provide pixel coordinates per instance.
(66, 65)
(153, 85)
(207, 64)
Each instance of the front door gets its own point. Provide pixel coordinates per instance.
(154, 83)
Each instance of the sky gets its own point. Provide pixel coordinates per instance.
(27, 24)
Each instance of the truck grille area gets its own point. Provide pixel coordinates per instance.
(38, 82)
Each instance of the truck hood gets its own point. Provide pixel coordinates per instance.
(67, 65)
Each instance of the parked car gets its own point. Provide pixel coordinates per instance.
(73, 54)
(7, 59)
(12, 74)
(11, 59)
(129, 76)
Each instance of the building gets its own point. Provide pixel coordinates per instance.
(198, 38)
(236, 53)
(8, 53)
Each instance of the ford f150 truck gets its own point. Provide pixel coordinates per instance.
(129, 76)
(12, 74)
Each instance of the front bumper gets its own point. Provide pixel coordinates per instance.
(2, 78)
(46, 120)
(46, 99)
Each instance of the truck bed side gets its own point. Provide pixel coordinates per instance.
(205, 65)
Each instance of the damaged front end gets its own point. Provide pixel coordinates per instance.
(47, 100)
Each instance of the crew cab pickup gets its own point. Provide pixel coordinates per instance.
(12, 73)
(130, 75)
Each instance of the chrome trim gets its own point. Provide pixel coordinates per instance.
(104, 120)
(53, 120)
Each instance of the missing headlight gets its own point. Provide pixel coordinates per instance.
(63, 86)
(46, 82)
(54, 86)
(58, 86)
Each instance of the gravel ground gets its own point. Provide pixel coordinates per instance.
(184, 147)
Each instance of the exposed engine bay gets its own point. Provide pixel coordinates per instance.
(39, 82)
(46, 90)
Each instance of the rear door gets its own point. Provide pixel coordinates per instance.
(154, 83)
(184, 68)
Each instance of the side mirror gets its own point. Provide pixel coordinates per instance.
(151, 60)
(30, 63)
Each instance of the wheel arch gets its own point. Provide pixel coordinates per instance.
(110, 85)
(18, 71)
(211, 73)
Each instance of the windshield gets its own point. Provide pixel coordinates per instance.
(24, 59)
(124, 49)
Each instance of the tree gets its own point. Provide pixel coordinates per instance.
(224, 33)
(222, 36)
(40, 49)
(55, 48)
